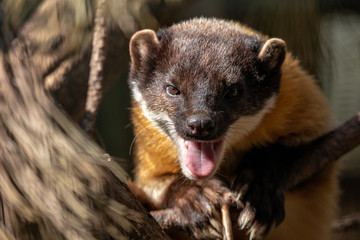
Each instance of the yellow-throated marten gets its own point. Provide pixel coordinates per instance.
(204, 93)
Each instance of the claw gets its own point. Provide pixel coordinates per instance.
(244, 190)
(237, 200)
(215, 234)
(208, 232)
(257, 231)
(246, 217)
(216, 225)
(229, 198)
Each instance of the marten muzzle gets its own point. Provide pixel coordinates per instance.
(200, 125)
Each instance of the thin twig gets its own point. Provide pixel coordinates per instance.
(226, 222)
(347, 222)
(94, 94)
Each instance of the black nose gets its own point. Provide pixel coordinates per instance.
(200, 125)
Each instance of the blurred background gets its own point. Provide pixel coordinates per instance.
(323, 34)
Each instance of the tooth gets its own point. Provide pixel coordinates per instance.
(186, 143)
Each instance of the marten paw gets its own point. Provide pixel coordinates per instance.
(262, 202)
(198, 205)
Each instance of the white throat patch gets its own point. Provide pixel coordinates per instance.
(246, 124)
(152, 116)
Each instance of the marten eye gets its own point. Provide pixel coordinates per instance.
(172, 91)
(232, 93)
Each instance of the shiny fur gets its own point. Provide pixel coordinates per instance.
(279, 104)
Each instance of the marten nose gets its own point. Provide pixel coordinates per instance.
(200, 125)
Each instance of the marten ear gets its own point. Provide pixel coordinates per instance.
(272, 54)
(142, 45)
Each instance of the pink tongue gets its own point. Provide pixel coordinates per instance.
(199, 158)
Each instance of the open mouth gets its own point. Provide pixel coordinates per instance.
(199, 159)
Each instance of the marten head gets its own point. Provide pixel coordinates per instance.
(204, 83)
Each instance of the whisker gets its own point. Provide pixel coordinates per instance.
(136, 136)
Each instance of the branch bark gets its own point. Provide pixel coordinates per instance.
(94, 93)
(329, 148)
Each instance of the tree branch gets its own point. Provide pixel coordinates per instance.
(316, 155)
(94, 93)
(347, 222)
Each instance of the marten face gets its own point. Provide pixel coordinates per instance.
(203, 84)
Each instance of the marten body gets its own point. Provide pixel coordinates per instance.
(207, 91)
